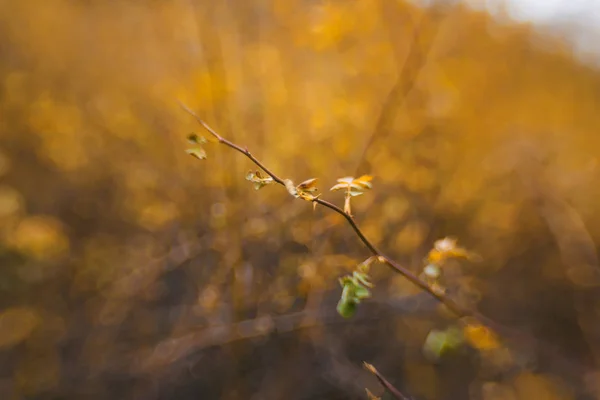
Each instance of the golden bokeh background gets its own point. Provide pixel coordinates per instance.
(130, 270)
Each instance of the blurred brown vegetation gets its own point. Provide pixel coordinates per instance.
(129, 270)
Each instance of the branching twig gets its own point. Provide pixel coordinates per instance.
(384, 382)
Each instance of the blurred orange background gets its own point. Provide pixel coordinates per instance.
(130, 270)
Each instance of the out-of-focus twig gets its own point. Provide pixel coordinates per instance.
(385, 383)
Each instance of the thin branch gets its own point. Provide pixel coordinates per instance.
(455, 308)
(384, 382)
(234, 146)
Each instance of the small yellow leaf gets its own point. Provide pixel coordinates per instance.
(309, 185)
(346, 179)
(307, 196)
(196, 139)
(258, 179)
(365, 178)
(198, 152)
(364, 181)
(339, 186)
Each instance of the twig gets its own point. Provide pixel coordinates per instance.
(455, 308)
(234, 146)
(384, 382)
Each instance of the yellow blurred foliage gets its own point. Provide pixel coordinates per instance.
(42, 237)
(537, 386)
(114, 241)
(16, 324)
(423, 380)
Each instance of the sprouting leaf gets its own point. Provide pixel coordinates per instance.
(362, 292)
(339, 186)
(356, 184)
(346, 179)
(363, 279)
(364, 180)
(355, 289)
(196, 139)
(258, 179)
(304, 190)
(309, 185)
(353, 187)
(307, 196)
(346, 309)
(197, 152)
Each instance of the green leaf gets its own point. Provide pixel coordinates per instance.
(362, 278)
(197, 152)
(309, 186)
(361, 292)
(346, 309)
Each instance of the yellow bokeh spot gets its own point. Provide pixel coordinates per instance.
(41, 237)
(536, 386)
